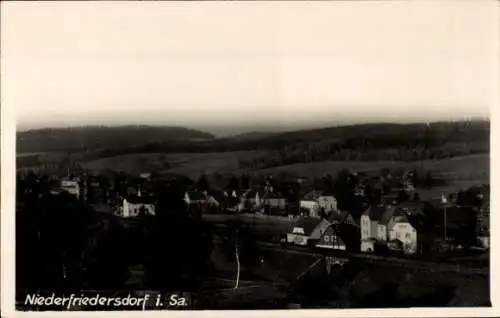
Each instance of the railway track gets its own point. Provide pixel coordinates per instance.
(425, 265)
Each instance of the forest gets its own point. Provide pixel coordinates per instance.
(368, 142)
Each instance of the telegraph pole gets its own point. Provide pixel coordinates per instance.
(444, 200)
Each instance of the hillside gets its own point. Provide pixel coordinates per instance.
(99, 137)
(360, 143)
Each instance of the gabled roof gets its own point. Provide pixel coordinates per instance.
(375, 212)
(388, 215)
(320, 229)
(307, 223)
(327, 193)
(411, 206)
(312, 196)
(134, 199)
(344, 217)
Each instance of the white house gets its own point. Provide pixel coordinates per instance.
(403, 231)
(136, 205)
(410, 229)
(316, 201)
(384, 224)
(310, 203)
(71, 186)
(327, 202)
(370, 229)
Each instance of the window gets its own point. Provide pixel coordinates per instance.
(327, 238)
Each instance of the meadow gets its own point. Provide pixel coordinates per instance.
(458, 172)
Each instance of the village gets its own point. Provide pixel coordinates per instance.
(354, 212)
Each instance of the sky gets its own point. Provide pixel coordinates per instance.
(248, 65)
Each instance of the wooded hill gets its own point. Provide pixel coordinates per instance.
(99, 137)
(402, 142)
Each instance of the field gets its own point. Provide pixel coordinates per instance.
(459, 172)
(191, 165)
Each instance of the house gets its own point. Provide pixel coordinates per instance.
(344, 217)
(331, 239)
(483, 224)
(369, 221)
(411, 230)
(327, 203)
(319, 230)
(72, 186)
(316, 201)
(221, 201)
(301, 231)
(310, 204)
(136, 205)
(273, 201)
(195, 197)
(390, 198)
(384, 224)
(406, 222)
(348, 228)
(251, 198)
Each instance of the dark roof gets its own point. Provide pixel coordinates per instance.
(388, 214)
(411, 207)
(327, 193)
(134, 199)
(342, 217)
(307, 223)
(313, 195)
(375, 212)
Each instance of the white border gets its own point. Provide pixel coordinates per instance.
(8, 238)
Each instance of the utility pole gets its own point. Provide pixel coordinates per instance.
(237, 263)
(444, 201)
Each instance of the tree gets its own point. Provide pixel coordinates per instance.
(327, 183)
(233, 183)
(429, 180)
(343, 189)
(403, 196)
(202, 183)
(245, 181)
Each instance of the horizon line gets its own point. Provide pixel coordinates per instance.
(304, 126)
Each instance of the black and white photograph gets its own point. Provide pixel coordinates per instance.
(248, 155)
